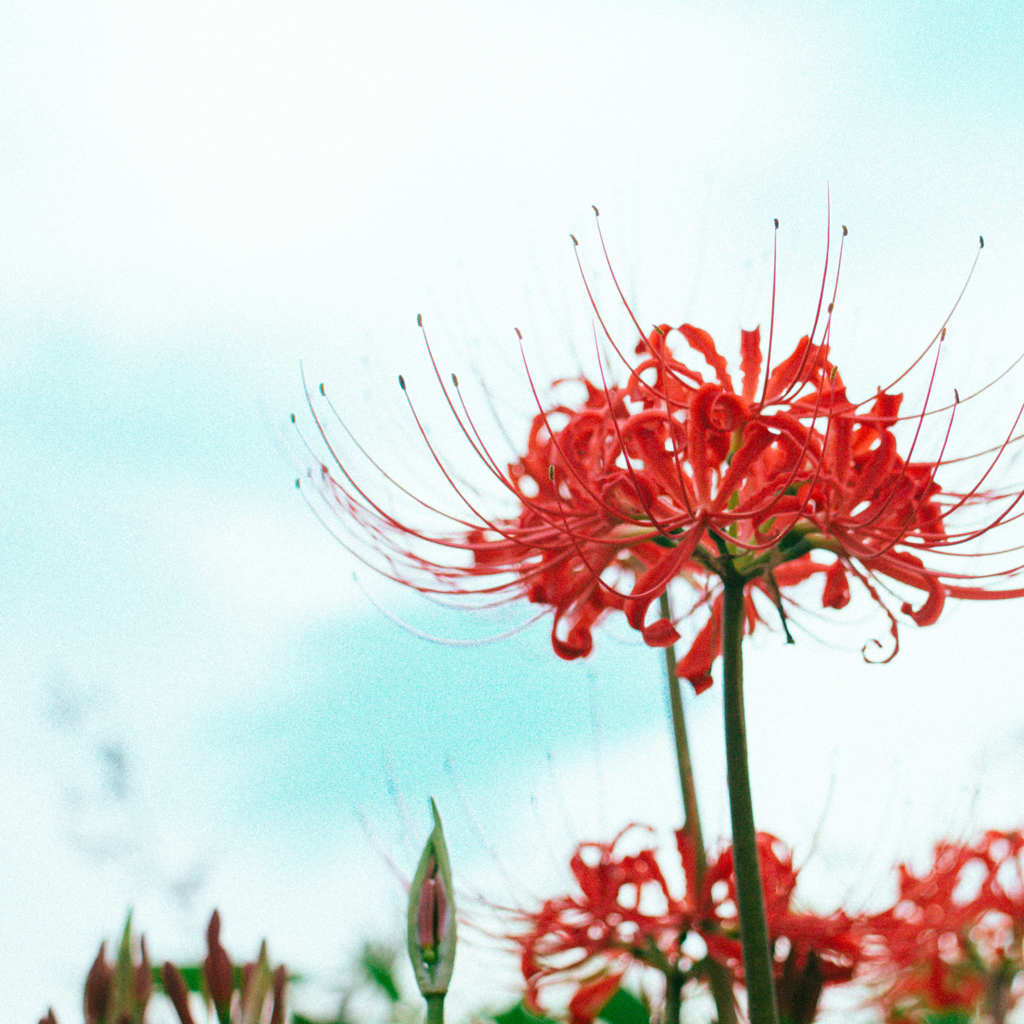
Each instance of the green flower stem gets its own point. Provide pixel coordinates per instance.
(718, 974)
(673, 997)
(691, 823)
(435, 1009)
(757, 955)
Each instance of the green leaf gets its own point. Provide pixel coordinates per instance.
(379, 964)
(519, 1014)
(193, 975)
(624, 1008)
(948, 1017)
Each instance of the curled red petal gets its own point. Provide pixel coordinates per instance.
(652, 584)
(750, 362)
(837, 587)
(695, 667)
(591, 998)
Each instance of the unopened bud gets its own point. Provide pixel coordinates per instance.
(98, 984)
(217, 968)
(432, 916)
(177, 992)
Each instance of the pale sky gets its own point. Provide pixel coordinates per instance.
(196, 196)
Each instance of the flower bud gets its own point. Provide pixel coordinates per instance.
(432, 915)
(218, 970)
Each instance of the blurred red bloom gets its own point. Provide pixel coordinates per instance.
(672, 476)
(953, 939)
(811, 951)
(624, 914)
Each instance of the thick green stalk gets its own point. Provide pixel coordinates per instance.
(673, 997)
(435, 1009)
(757, 955)
(718, 974)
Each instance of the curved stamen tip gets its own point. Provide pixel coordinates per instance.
(419, 319)
(455, 380)
(519, 333)
(401, 382)
(322, 392)
(956, 397)
(776, 223)
(597, 212)
(845, 232)
(981, 241)
(573, 237)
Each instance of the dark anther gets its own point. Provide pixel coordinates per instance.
(981, 239)
(293, 417)
(597, 213)
(573, 237)
(956, 396)
(401, 382)
(776, 223)
(297, 484)
(322, 392)
(845, 232)
(519, 333)
(419, 319)
(551, 473)
(455, 380)
(831, 306)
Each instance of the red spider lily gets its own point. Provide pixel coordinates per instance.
(810, 951)
(672, 476)
(953, 940)
(624, 914)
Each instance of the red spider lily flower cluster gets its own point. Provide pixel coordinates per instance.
(773, 480)
(953, 941)
(625, 914)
